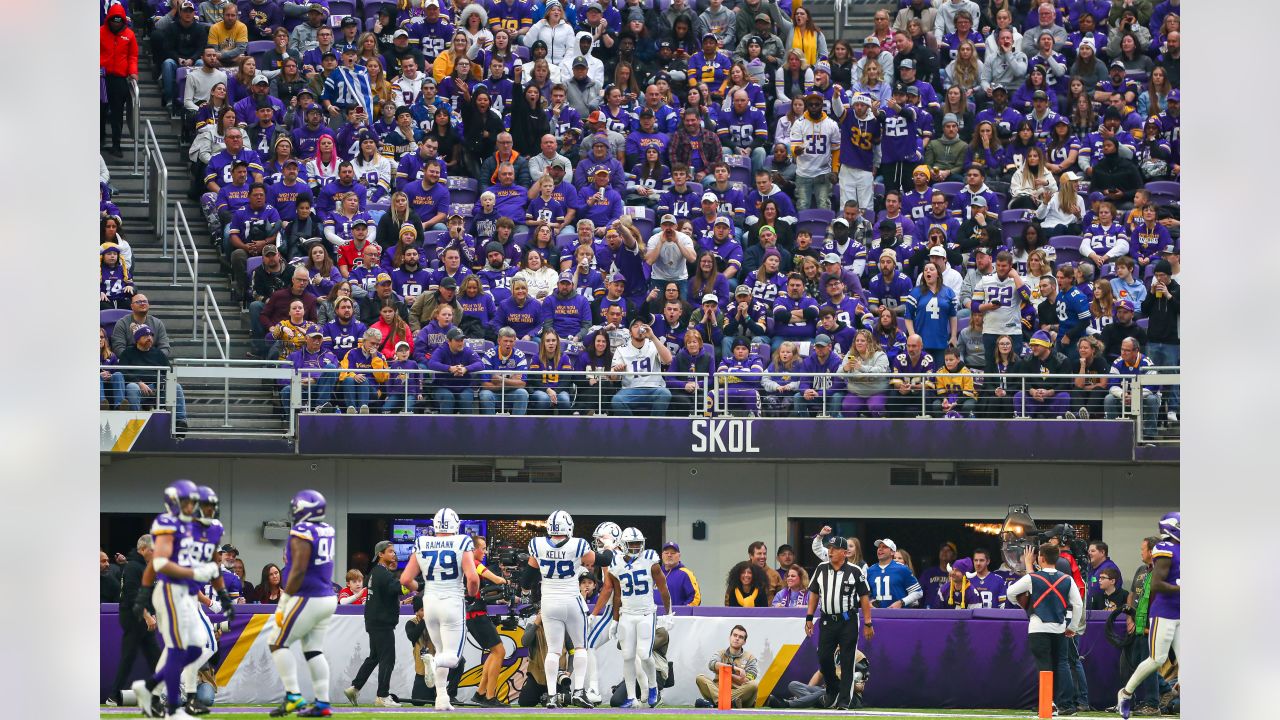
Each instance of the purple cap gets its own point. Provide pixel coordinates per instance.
(1175, 95)
(143, 330)
(1042, 339)
(617, 277)
(964, 565)
(771, 252)
(670, 544)
(1096, 196)
(1125, 304)
(566, 276)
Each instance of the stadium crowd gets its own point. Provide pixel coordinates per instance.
(490, 190)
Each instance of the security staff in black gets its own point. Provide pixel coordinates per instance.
(839, 587)
(1055, 613)
(381, 615)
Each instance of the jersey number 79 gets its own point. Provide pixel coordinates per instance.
(448, 561)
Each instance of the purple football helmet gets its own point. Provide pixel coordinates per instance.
(177, 494)
(306, 506)
(1171, 526)
(207, 497)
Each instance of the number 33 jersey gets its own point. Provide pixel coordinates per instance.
(635, 581)
(440, 561)
(559, 565)
(318, 578)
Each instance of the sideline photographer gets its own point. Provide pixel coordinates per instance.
(1055, 614)
(482, 630)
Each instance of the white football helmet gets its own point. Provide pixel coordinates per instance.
(607, 535)
(559, 523)
(633, 541)
(445, 522)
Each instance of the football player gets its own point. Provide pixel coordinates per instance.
(629, 576)
(167, 593)
(558, 557)
(307, 601)
(448, 576)
(1165, 610)
(606, 539)
(206, 535)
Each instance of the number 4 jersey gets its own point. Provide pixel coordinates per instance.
(559, 565)
(440, 561)
(318, 580)
(635, 581)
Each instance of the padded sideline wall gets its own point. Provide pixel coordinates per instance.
(740, 502)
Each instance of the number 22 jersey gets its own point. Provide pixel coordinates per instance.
(318, 578)
(559, 565)
(635, 581)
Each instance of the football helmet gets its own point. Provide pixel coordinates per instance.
(633, 541)
(178, 495)
(1171, 526)
(445, 522)
(559, 523)
(306, 506)
(207, 497)
(606, 535)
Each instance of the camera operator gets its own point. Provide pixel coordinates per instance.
(534, 690)
(1056, 614)
(424, 694)
(482, 630)
(1069, 546)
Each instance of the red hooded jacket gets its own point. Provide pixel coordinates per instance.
(118, 52)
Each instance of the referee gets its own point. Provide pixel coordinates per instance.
(838, 586)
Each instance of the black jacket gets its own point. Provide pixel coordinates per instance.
(1162, 315)
(1115, 172)
(382, 609)
(108, 588)
(1115, 333)
(130, 582)
(171, 41)
(475, 125)
(1051, 365)
(266, 282)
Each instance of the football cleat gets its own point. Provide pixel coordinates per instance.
(195, 707)
(292, 702)
(352, 693)
(593, 695)
(580, 699)
(653, 697)
(429, 669)
(145, 696)
(629, 704)
(1124, 704)
(316, 709)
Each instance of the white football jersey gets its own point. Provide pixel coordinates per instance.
(559, 565)
(635, 581)
(440, 560)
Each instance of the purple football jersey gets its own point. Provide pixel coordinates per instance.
(1168, 605)
(990, 589)
(183, 555)
(205, 541)
(318, 580)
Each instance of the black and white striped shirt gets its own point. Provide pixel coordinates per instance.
(839, 590)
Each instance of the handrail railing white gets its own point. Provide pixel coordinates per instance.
(135, 102)
(221, 343)
(158, 196)
(841, 16)
(186, 247)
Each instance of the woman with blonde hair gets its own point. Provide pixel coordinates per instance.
(367, 49)
(383, 92)
(873, 83)
(867, 394)
(443, 65)
(1031, 182)
(965, 70)
(794, 78)
(904, 557)
(1061, 212)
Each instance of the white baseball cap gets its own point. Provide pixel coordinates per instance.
(937, 251)
(887, 543)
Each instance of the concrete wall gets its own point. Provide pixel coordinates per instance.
(740, 502)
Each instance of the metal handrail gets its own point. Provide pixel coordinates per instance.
(135, 100)
(841, 16)
(701, 406)
(158, 200)
(223, 343)
(186, 246)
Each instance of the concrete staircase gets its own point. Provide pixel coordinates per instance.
(859, 19)
(251, 407)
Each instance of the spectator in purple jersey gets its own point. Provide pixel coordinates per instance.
(1047, 397)
(115, 286)
(459, 367)
(690, 390)
(935, 579)
(956, 591)
(740, 377)
(910, 382)
(1099, 561)
(988, 585)
(794, 313)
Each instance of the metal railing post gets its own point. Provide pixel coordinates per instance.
(135, 100)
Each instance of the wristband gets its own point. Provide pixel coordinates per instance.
(808, 618)
(867, 624)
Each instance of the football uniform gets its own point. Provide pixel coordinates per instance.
(304, 615)
(637, 620)
(444, 592)
(177, 616)
(564, 613)
(891, 583)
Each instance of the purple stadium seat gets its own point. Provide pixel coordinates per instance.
(1066, 242)
(250, 266)
(780, 107)
(1012, 229)
(1143, 322)
(521, 52)
(182, 80)
(878, 189)
(949, 188)
(1164, 192)
(643, 217)
(1067, 256)
(463, 209)
(480, 345)
(528, 347)
(1108, 271)
(371, 8)
(257, 47)
(380, 206)
(107, 319)
(815, 220)
(462, 189)
(102, 90)
(435, 237)
(739, 169)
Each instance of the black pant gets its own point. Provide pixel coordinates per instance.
(117, 96)
(897, 175)
(382, 655)
(137, 638)
(1050, 653)
(423, 695)
(837, 633)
